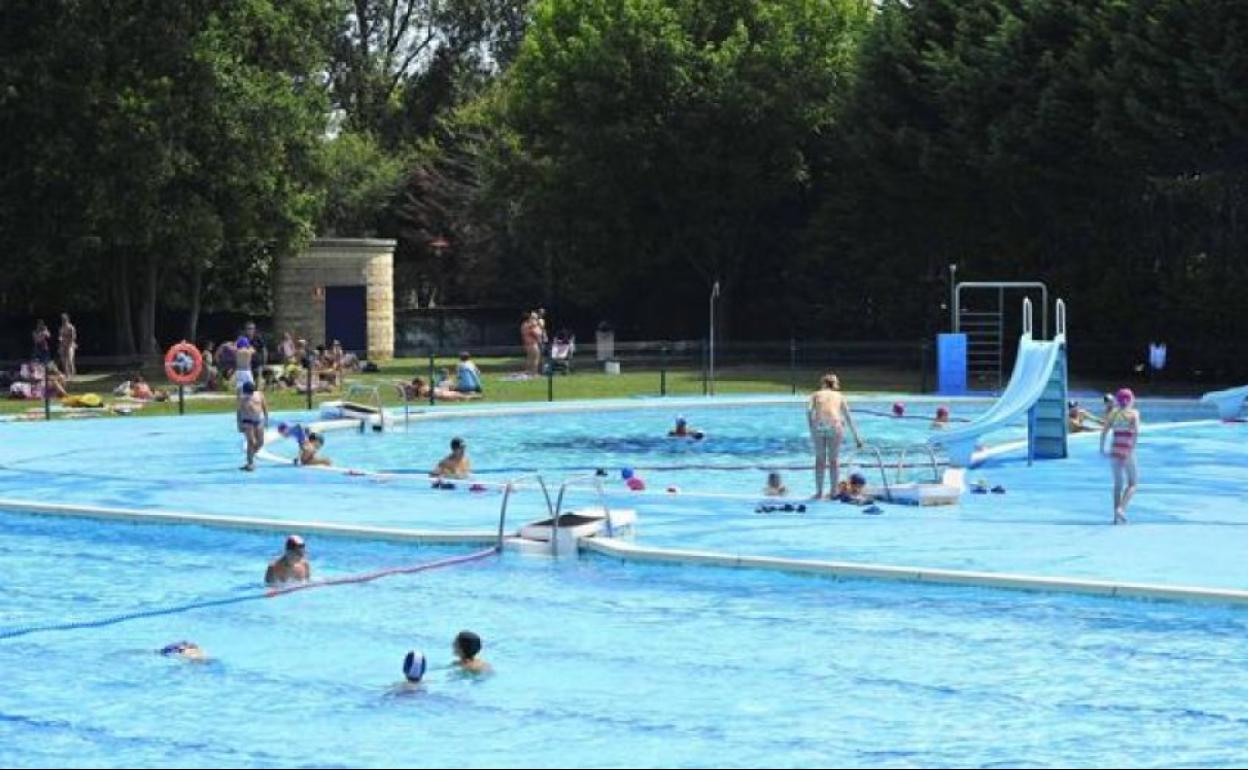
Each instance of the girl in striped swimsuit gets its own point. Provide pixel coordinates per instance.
(1125, 424)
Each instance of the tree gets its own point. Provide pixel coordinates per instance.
(669, 139)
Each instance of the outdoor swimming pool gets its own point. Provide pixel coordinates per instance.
(604, 663)
(597, 664)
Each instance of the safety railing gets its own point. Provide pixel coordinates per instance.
(875, 452)
(931, 455)
(510, 487)
(558, 511)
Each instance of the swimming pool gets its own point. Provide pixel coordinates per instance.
(598, 664)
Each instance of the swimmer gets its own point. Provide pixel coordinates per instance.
(854, 491)
(292, 566)
(1080, 420)
(293, 431)
(185, 650)
(682, 430)
(775, 486)
(1124, 422)
(455, 465)
(414, 666)
(309, 449)
(942, 418)
(466, 647)
(828, 414)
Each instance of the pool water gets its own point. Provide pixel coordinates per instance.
(597, 664)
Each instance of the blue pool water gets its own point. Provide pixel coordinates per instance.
(598, 664)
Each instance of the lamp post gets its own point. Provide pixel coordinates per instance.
(711, 337)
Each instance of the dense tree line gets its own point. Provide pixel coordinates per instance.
(824, 160)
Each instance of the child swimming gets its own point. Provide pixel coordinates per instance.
(775, 486)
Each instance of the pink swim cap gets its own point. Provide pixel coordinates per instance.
(635, 484)
(898, 409)
(1124, 396)
(942, 411)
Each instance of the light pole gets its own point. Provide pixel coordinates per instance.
(711, 337)
(953, 305)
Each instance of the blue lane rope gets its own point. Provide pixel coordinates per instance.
(270, 593)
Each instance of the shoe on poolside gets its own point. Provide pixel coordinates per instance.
(998, 490)
(979, 490)
(873, 510)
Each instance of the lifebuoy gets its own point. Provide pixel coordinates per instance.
(183, 363)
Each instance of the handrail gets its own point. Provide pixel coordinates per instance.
(563, 488)
(1027, 317)
(502, 511)
(931, 454)
(356, 387)
(1061, 318)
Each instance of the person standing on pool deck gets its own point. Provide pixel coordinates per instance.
(68, 337)
(253, 415)
(1125, 424)
(292, 566)
(827, 415)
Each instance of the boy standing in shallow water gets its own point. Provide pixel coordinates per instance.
(253, 415)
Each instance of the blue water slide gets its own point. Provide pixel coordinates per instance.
(1228, 402)
(1039, 364)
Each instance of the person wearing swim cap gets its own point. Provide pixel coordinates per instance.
(456, 464)
(292, 566)
(942, 418)
(1124, 423)
(184, 650)
(243, 354)
(414, 667)
(775, 485)
(466, 647)
(682, 430)
(1080, 420)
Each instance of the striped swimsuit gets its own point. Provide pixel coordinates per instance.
(1124, 436)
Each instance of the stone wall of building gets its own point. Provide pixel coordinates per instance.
(299, 303)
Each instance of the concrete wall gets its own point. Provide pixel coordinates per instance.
(299, 303)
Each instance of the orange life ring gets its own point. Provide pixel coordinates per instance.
(176, 371)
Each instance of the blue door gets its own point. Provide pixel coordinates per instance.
(346, 317)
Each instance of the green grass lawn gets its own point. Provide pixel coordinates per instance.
(587, 382)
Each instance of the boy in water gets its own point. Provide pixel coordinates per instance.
(828, 414)
(292, 566)
(455, 465)
(466, 647)
(253, 415)
(308, 451)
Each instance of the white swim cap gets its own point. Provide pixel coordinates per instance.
(414, 666)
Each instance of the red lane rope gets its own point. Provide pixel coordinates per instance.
(370, 576)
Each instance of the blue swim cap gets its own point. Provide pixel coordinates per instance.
(680, 420)
(626, 473)
(414, 666)
(242, 342)
(176, 648)
(857, 478)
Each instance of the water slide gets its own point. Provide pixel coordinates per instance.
(1037, 388)
(1229, 402)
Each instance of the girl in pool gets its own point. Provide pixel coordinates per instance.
(775, 485)
(1124, 421)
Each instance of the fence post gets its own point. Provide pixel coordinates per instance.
(308, 362)
(793, 365)
(432, 378)
(47, 397)
(550, 376)
(706, 387)
(663, 371)
(181, 398)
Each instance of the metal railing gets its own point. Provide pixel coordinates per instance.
(563, 488)
(508, 488)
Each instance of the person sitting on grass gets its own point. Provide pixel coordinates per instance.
(456, 464)
(418, 390)
(466, 647)
(467, 375)
(292, 566)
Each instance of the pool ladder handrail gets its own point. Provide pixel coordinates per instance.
(558, 510)
(508, 487)
(879, 461)
(931, 456)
